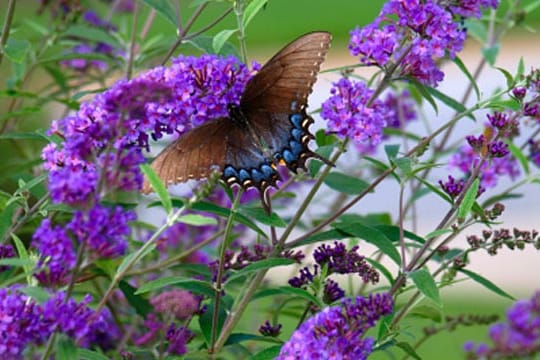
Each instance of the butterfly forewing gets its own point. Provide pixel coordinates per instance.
(285, 81)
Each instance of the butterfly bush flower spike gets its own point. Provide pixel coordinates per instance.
(338, 332)
(518, 337)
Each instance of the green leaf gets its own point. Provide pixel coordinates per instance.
(87, 354)
(195, 286)
(386, 273)
(163, 8)
(469, 76)
(206, 321)
(392, 233)
(197, 220)
(237, 338)
(260, 265)
(438, 233)
(158, 186)
(427, 312)
(17, 262)
(345, 183)
(447, 100)
(486, 283)
(323, 236)
(491, 53)
(435, 189)
(391, 151)
(204, 43)
(128, 258)
(469, 199)
(267, 354)
(137, 302)
(409, 350)
(91, 33)
(260, 215)
(404, 164)
(222, 212)
(518, 154)
(23, 254)
(288, 290)
(24, 136)
(66, 349)
(315, 165)
(372, 236)
(31, 184)
(426, 285)
(37, 293)
(6, 217)
(16, 50)
(28, 110)
(423, 90)
(251, 10)
(220, 39)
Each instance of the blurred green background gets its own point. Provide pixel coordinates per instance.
(278, 23)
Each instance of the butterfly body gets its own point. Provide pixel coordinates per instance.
(269, 127)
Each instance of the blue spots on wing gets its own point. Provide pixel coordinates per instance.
(294, 153)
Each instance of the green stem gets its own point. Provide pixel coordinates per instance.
(133, 42)
(78, 262)
(184, 31)
(221, 270)
(239, 11)
(137, 256)
(235, 316)
(7, 25)
(298, 214)
(35, 208)
(175, 259)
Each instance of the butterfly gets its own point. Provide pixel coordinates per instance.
(269, 126)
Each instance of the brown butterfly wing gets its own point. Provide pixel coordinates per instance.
(278, 94)
(193, 155)
(285, 81)
(273, 105)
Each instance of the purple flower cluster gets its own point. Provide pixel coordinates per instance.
(415, 34)
(87, 47)
(6, 252)
(534, 151)
(338, 260)
(177, 336)
(103, 142)
(103, 229)
(180, 303)
(104, 138)
(246, 256)
(335, 260)
(56, 254)
(268, 329)
(24, 322)
(488, 148)
(351, 112)
(467, 158)
(518, 337)
(337, 332)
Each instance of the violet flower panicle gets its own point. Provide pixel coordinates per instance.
(337, 332)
